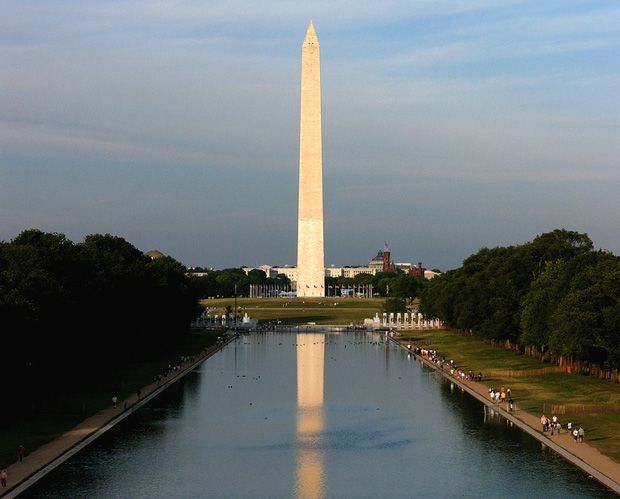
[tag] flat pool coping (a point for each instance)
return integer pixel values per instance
(609, 482)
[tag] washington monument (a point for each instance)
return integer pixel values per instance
(310, 259)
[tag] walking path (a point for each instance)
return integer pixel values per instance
(41, 461)
(586, 457)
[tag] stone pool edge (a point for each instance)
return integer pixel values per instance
(607, 481)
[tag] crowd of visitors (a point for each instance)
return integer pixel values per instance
(445, 364)
(553, 426)
(503, 395)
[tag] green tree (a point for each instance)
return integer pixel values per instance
(395, 305)
(70, 314)
(362, 279)
(257, 276)
(541, 302)
(486, 294)
(405, 286)
(585, 323)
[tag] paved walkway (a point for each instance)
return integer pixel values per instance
(42, 460)
(586, 457)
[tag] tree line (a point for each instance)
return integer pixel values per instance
(222, 283)
(384, 284)
(72, 313)
(555, 294)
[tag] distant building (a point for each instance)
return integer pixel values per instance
(429, 274)
(403, 266)
(291, 272)
(417, 270)
(350, 272)
(388, 266)
(377, 262)
(154, 254)
(382, 262)
(333, 271)
(288, 270)
(269, 271)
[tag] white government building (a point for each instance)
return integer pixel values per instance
(290, 271)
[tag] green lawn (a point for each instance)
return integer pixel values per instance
(533, 394)
(302, 310)
(72, 408)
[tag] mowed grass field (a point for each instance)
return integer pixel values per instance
(533, 394)
(301, 310)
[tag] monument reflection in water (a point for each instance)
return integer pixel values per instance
(310, 417)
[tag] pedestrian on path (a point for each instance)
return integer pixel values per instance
(3, 477)
(114, 401)
(20, 453)
(581, 434)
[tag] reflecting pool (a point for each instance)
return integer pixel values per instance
(313, 415)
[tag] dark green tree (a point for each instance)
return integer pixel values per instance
(395, 305)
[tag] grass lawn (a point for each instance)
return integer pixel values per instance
(534, 394)
(72, 408)
(302, 310)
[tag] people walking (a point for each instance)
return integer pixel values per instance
(20, 453)
(544, 421)
(3, 477)
(581, 433)
(114, 401)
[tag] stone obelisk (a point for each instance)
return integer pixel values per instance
(310, 258)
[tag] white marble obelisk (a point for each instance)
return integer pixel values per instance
(310, 258)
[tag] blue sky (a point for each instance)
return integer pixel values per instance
(448, 126)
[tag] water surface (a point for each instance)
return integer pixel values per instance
(314, 415)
